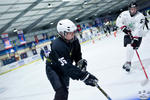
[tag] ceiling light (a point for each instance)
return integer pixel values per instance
(85, 3)
(14, 30)
(49, 5)
(76, 18)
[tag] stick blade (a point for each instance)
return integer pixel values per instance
(145, 82)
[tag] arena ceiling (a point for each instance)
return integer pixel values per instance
(28, 15)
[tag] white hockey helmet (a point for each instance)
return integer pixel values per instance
(65, 25)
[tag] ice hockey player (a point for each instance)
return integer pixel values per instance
(131, 22)
(44, 52)
(59, 66)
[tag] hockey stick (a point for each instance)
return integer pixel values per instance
(140, 60)
(142, 65)
(147, 80)
(106, 95)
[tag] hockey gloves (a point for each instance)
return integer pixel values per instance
(126, 30)
(82, 64)
(90, 79)
(134, 42)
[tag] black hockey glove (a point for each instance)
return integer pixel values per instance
(90, 79)
(134, 43)
(82, 64)
(126, 30)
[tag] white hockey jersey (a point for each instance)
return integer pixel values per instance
(135, 23)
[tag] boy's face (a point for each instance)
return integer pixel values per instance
(69, 36)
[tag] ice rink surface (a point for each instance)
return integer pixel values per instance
(105, 59)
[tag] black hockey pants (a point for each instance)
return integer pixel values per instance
(59, 83)
(128, 40)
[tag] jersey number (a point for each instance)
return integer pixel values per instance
(142, 20)
(62, 61)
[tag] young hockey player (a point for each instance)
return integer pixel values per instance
(59, 66)
(131, 22)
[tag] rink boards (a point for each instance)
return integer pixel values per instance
(18, 64)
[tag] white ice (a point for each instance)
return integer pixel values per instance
(105, 59)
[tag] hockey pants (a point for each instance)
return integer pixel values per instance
(61, 91)
(130, 50)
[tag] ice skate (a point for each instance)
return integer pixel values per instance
(127, 66)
